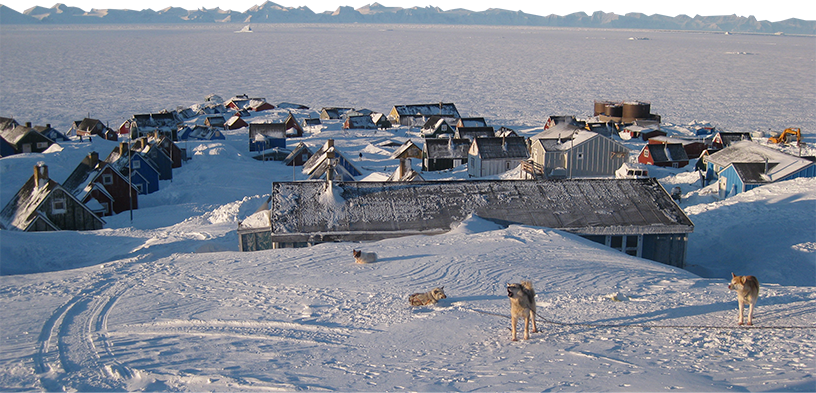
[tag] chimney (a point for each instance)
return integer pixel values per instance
(122, 148)
(40, 175)
(93, 159)
(329, 143)
(48, 125)
(28, 124)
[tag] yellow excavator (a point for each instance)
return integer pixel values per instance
(783, 137)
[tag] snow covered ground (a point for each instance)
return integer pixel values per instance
(165, 302)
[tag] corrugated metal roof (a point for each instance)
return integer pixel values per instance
(584, 206)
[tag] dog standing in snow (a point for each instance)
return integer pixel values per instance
(747, 288)
(431, 297)
(522, 304)
(364, 257)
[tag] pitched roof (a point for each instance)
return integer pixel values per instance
(667, 152)
(495, 148)
(441, 108)
(754, 172)
(748, 151)
(387, 209)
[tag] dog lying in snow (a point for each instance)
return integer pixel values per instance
(747, 288)
(430, 297)
(522, 304)
(364, 257)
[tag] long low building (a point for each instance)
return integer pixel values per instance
(636, 216)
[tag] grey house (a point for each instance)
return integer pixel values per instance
(572, 152)
(635, 216)
(491, 156)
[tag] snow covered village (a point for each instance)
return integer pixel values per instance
(205, 244)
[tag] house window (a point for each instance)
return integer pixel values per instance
(58, 205)
(107, 179)
(139, 188)
(444, 127)
(580, 155)
(646, 152)
(629, 244)
(42, 145)
(135, 164)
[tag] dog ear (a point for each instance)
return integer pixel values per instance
(733, 275)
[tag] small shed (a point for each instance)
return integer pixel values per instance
(439, 154)
(408, 150)
(492, 156)
(299, 155)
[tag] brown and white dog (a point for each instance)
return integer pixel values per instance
(364, 257)
(426, 298)
(747, 288)
(522, 304)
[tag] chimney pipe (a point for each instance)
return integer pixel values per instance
(28, 124)
(40, 175)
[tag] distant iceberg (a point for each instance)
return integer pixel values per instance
(246, 29)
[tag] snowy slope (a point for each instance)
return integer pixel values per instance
(166, 302)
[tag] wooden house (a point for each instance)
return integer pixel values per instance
(492, 156)
(635, 216)
(94, 179)
(8, 123)
(310, 122)
(215, 121)
(575, 152)
(235, 122)
(693, 147)
(327, 159)
(51, 133)
(293, 127)
(89, 128)
(438, 127)
(170, 148)
(670, 155)
(333, 113)
(157, 157)
(24, 139)
(470, 122)
(418, 114)
(42, 204)
(265, 136)
(359, 122)
(439, 154)
(299, 155)
(381, 120)
(6, 148)
(745, 165)
(200, 133)
(141, 172)
(722, 140)
(244, 102)
(165, 123)
(408, 149)
(474, 132)
(562, 121)
(505, 132)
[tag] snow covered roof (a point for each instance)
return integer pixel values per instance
(750, 152)
(495, 148)
(408, 145)
(563, 131)
(667, 152)
(440, 109)
(446, 148)
(564, 139)
(301, 211)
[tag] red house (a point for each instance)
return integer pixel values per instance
(664, 154)
(101, 187)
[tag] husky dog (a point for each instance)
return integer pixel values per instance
(522, 304)
(747, 288)
(364, 257)
(430, 297)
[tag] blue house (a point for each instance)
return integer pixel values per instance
(143, 174)
(745, 165)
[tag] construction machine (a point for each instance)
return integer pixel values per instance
(783, 137)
